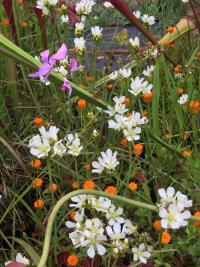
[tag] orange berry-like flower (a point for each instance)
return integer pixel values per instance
(157, 225)
(127, 101)
(197, 214)
(170, 29)
(6, 22)
(147, 98)
(87, 166)
(75, 185)
(72, 214)
(111, 190)
(39, 203)
(109, 86)
(165, 42)
(53, 187)
(36, 163)
(144, 113)
(138, 149)
(38, 122)
(165, 238)
(132, 186)
(194, 106)
(72, 260)
(172, 44)
(24, 24)
(89, 184)
(124, 142)
(89, 78)
(81, 104)
(180, 90)
(187, 153)
(37, 182)
(198, 54)
(177, 69)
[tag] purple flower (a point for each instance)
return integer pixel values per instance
(67, 86)
(73, 65)
(49, 62)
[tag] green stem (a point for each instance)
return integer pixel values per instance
(67, 197)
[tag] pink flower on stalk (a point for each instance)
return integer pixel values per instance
(67, 86)
(49, 62)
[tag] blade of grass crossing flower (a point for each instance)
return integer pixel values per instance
(17, 53)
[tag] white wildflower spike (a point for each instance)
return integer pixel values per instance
(135, 43)
(96, 33)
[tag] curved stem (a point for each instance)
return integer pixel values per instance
(67, 197)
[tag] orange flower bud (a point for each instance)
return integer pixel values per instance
(138, 149)
(147, 98)
(6, 22)
(75, 185)
(89, 184)
(194, 106)
(132, 186)
(157, 225)
(72, 214)
(38, 122)
(180, 90)
(170, 29)
(166, 238)
(36, 163)
(177, 69)
(72, 260)
(39, 203)
(111, 190)
(81, 104)
(37, 182)
(124, 142)
(24, 24)
(127, 101)
(197, 214)
(53, 187)
(87, 166)
(187, 154)
(109, 86)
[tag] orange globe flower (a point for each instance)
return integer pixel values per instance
(165, 238)
(187, 153)
(133, 186)
(75, 185)
(6, 22)
(38, 121)
(194, 106)
(172, 44)
(89, 78)
(157, 225)
(198, 54)
(138, 149)
(39, 203)
(127, 101)
(72, 260)
(197, 214)
(170, 29)
(81, 104)
(124, 142)
(89, 184)
(24, 24)
(111, 190)
(147, 98)
(180, 90)
(72, 214)
(37, 183)
(53, 187)
(87, 166)
(36, 163)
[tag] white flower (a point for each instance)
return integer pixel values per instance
(182, 201)
(62, 70)
(80, 201)
(146, 87)
(96, 33)
(139, 253)
(50, 134)
(173, 218)
(183, 99)
(118, 123)
(113, 215)
(116, 232)
(129, 228)
(150, 20)
(39, 147)
(167, 196)
(84, 7)
(79, 43)
(134, 42)
(119, 107)
(95, 133)
(125, 73)
(76, 238)
(185, 1)
(114, 75)
(45, 4)
(94, 235)
(59, 149)
(137, 14)
(136, 86)
(132, 133)
(64, 19)
(79, 27)
(73, 144)
(149, 70)
(98, 166)
(108, 4)
(101, 204)
(20, 259)
(78, 218)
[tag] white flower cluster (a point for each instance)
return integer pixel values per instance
(80, 46)
(45, 5)
(108, 160)
(149, 20)
(123, 73)
(139, 85)
(84, 7)
(135, 43)
(93, 234)
(131, 125)
(183, 99)
(96, 33)
(47, 144)
(172, 208)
